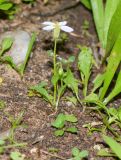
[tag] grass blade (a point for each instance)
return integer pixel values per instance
(98, 14)
(116, 147)
(112, 66)
(111, 6)
(86, 3)
(116, 90)
(114, 29)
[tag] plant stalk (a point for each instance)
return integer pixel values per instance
(54, 63)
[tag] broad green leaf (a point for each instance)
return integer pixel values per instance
(5, 6)
(72, 129)
(1, 1)
(110, 8)
(86, 3)
(70, 118)
(85, 61)
(116, 147)
(6, 44)
(98, 81)
(93, 98)
(83, 154)
(98, 14)
(115, 91)
(16, 156)
(42, 91)
(114, 29)
(9, 59)
(59, 133)
(71, 82)
(60, 121)
(75, 151)
(113, 63)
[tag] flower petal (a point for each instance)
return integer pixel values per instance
(48, 28)
(48, 23)
(66, 29)
(63, 23)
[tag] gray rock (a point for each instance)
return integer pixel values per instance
(20, 45)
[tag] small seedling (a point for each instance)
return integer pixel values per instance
(15, 123)
(85, 61)
(60, 124)
(16, 156)
(78, 155)
(4, 146)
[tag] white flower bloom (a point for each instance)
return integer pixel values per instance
(48, 26)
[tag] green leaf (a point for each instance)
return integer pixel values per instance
(104, 153)
(113, 63)
(114, 29)
(75, 151)
(86, 3)
(16, 156)
(83, 154)
(72, 99)
(1, 150)
(71, 82)
(42, 91)
(98, 14)
(2, 142)
(111, 6)
(85, 61)
(91, 97)
(5, 6)
(72, 130)
(6, 44)
(119, 114)
(60, 121)
(70, 118)
(59, 133)
(98, 81)
(116, 147)
(116, 90)
(21, 68)
(9, 59)
(55, 78)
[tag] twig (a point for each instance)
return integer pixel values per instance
(52, 155)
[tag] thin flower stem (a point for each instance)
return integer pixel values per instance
(54, 63)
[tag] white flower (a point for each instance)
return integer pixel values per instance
(48, 26)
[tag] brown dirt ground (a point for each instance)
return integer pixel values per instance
(38, 114)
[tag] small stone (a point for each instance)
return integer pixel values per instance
(20, 45)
